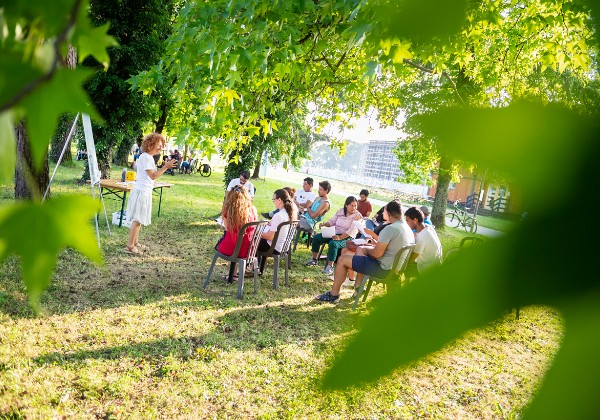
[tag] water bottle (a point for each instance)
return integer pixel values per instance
(123, 174)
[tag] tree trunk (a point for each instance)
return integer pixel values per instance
(440, 202)
(162, 118)
(39, 177)
(257, 167)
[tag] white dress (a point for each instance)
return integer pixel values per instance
(139, 207)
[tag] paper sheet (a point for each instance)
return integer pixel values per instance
(327, 231)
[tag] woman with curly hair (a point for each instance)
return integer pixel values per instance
(139, 207)
(237, 211)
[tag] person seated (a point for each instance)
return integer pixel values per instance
(376, 220)
(375, 261)
(351, 247)
(287, 211)
(186, 166)
(364, 205)
(428, 249)
(242, 181)
(301, 197)
(291, 191)
(426, 213)
(314, 210)
(344, 230)
(236, 212)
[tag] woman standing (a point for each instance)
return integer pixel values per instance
(139, 207)
(287, 211)
(344, 230)
(237, 211)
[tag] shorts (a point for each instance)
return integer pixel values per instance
(370, 266)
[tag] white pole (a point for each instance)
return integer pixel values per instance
(67, 142)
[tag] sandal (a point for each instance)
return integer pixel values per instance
(226, 278)
(133, 250)
(139, 245)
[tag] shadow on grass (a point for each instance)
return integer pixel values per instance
(243, 329)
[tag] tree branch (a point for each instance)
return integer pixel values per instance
(430, 71)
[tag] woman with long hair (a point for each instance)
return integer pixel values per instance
(287, 211)
(139, 207)
(236, 212)
(344, 230)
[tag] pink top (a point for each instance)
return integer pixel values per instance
(227, 245)
(343, 224)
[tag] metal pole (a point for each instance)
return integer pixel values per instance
(64, 149)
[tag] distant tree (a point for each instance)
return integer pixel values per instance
(141, 29)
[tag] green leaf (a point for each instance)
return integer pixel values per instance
(7, 148)
(37, 232)
(63, 93)
(94, 42)
(14, 75)
(468, 292)
(417, 19)
(527, 142)
(571, 385)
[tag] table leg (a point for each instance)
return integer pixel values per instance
(122, 208)
(159, 200)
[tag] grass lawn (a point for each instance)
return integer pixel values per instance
(138, 337)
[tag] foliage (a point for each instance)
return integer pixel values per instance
(252, 68)
(34, 36)
(446, 303)
(141, 32)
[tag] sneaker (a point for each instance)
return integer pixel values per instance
(328, 270)
(328, 297)
(312, 263)
(266, 215)
(348, 282)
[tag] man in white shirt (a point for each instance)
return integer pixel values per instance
(428, 249)
(243, 180)
(301, 197)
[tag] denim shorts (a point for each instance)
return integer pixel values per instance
(370, 266)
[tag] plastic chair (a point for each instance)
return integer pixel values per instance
(299, 232)
(400, 262)
(285, 254)
(259, 227)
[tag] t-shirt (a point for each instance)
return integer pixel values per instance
(343, 223)
(279, 218)
(236, 181)
(395, 235)
(302, 196)
(364, 207)
(227, 245)
(143, 182)
(429, 248)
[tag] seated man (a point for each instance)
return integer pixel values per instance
(377, 261)
(364, 205)
(428, 249)
(242, 181)
(301, 197)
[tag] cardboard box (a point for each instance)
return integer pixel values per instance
(115, 219)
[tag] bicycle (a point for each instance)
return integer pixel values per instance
(205, 169)
(459, 217)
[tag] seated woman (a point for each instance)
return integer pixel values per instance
(237, 211)
(317, 208)
(344, 230)
(287, 211)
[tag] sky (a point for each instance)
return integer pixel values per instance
(366, 129)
